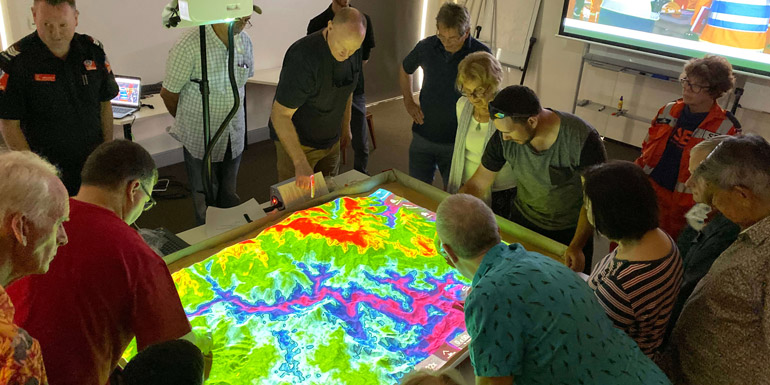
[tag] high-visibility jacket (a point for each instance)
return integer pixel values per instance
(717, 122)
(736, 23)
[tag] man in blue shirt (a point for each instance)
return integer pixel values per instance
(435, 120)
(531, 319)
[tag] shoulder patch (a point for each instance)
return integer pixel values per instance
(10, 53)
(3, 80)
(93, 41)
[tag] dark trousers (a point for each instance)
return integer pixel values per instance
(224, 176)
(502, 202)
(425, 156)
(359, 128)
(562, 236)
(70, 176)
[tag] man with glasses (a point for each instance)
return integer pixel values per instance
(678, 127)
(105, 286)
(721, 336)
(435, 120)
(547, 150)
(182, 97)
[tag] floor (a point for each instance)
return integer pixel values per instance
(393, 135)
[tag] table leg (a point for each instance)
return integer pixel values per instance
(127, 132)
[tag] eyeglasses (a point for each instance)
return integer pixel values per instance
(440, 247)
(693, 87)
(151, 203)
(450, 40)
(478, 93)
(244, 20)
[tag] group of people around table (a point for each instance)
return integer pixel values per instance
(680, 299)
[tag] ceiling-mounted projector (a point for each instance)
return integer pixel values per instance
(191, 13)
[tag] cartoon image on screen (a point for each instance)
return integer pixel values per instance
(128, 91)
(351, 291)
(737, 29)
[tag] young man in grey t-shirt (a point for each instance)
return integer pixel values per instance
(547, 150)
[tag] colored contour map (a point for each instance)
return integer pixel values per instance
(348, 292)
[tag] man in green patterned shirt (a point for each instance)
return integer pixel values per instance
(531, 319)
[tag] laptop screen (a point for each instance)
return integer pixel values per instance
(130, 91)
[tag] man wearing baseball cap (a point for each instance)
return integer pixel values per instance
(547, 150)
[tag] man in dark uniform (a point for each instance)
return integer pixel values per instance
(358, 126)
(55, 91)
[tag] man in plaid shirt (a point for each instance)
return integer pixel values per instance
(182, 97)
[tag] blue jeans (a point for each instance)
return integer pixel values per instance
(224, 176)
(359, 128)
(425, 156)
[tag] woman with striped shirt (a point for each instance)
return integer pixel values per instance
(638, 282)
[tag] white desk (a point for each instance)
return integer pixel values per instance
(268, 77)
(152, 135)
(145, 112)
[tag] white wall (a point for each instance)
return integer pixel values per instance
(396, 26)
(137, 44)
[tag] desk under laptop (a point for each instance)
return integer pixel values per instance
(266, 77)
(158, 108)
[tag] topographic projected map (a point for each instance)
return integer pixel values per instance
(349, 292)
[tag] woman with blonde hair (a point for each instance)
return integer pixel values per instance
(479, 76)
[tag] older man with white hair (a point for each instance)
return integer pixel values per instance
(33, 208)
(530, 318)
(707, 235)
(723, 333)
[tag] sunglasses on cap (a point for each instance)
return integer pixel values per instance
(496, 113)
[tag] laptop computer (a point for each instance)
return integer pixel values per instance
(128, 99)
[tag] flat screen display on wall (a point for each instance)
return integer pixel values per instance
(735, 29)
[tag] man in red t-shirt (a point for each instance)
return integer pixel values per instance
(106, 285)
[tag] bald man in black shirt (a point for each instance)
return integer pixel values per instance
(310, 119)
(358, 124)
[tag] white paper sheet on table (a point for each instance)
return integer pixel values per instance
(220, 220)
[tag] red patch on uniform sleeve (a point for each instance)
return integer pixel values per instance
(45, 77)
(3, 81)
(107, 65)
